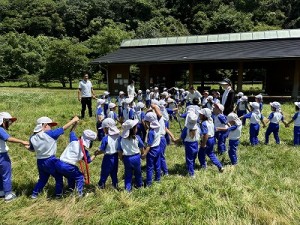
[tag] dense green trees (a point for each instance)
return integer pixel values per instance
(55, 39)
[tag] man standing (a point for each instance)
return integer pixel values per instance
(85, 95)
(227, 97)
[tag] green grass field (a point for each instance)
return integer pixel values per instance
(263, 188)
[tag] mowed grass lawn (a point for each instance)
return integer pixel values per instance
(263, 188)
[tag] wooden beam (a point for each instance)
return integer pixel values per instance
(295, 91)
(240, 77)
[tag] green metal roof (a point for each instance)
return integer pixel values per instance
(201, 39)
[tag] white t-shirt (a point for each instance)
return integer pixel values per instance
(130, 91)
(85, 88)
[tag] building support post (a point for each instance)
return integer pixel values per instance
(191, 74)
(240, 77)
(296, 80)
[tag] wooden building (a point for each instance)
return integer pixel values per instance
(165, 59)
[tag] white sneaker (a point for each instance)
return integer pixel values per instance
(2, 194)
(11, 196)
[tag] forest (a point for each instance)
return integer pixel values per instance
(43, 40)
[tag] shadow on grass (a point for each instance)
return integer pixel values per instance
(178, 169)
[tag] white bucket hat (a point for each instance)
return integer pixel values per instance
(234, 117)
(297, 104)
(45, 119)
(100, 101)
(128, 100)
(6, 115)
(206, 112)
(121, 93)
(152, 119)
(219, 106)
(147, 90)
(240, 94)
(254, 105)
(210, 98)
(140, 105)
(111, 125)
(87, 137)
(127, 125)
(276, 105)
(191, 121)
(105, 93)
(111, 105)
(244, 98)
(259, 96)
(170, 100)
(140, 91)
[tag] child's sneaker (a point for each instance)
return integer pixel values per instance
(221, 169)
(34, 196)
(2, 194)
(10, 197)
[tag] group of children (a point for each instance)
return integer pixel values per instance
(144, 135)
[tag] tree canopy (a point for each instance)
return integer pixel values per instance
(33, 32)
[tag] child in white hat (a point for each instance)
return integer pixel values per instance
(44, 143)
(208, 140)
(130, 148)
(106, 97)
(209, 102)
(76, 151)
(120, 100)
(140, 115)
(112, 111)
(99, 118)
(190, 137)
(5, 164)
(156, 93)
(220, 120)
(242, 107)
(274, 118)
(234, 135)
(140, 96)
(259, 100)
(108, 147)
(152, 152)
(296, 120)
(255, 117)
(148, 98)
(128, 111)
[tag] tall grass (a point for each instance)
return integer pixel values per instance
(263, 188)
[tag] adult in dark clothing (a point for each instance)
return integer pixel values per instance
(227, 97)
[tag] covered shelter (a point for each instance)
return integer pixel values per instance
(277, 52)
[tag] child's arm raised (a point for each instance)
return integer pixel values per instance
(71, 122)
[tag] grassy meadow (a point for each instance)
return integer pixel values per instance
(263, 188)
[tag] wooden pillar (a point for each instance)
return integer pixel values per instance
(240, 77)
(191, 74)
(296, 80)
(145, 77)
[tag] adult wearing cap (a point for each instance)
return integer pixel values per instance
(85, 95)
(72, 154)
(227, 97)
(108, 147)
(130, 148)
(131, 89)
(44, 143)
(193, 94)
(5, 164)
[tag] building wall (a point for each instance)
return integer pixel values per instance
(118, 78)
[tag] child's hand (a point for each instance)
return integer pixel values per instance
(144, 156)
(287, 125)
(75, 119)
(97, 152)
